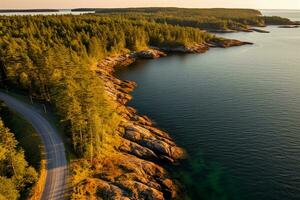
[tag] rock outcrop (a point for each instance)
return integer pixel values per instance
(140, 137)
(149, 54)
(228, 43)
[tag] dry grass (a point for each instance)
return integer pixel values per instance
(37, 190)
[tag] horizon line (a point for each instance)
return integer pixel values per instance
(148, 7)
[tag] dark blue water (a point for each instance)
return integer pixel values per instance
(237, 108)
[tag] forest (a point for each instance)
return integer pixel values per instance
(16, 176)
(213, 12)
(207, 19)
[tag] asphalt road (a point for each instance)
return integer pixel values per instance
(55, 186)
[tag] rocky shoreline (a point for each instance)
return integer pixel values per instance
(136, 170)
(289, 26)
(249, 30)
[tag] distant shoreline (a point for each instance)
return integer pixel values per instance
(94, 9)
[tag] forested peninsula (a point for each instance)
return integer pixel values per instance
(68, 62)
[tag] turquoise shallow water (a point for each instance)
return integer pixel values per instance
(238, 109)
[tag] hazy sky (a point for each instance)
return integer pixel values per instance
(278, 4)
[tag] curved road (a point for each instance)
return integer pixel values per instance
(55, 186)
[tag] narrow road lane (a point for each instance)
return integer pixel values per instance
(55, 151)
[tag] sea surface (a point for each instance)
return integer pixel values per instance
(236, 111)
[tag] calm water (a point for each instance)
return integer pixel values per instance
(237, 108)
(61, 12)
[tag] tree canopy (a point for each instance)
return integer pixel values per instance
(16, 176)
